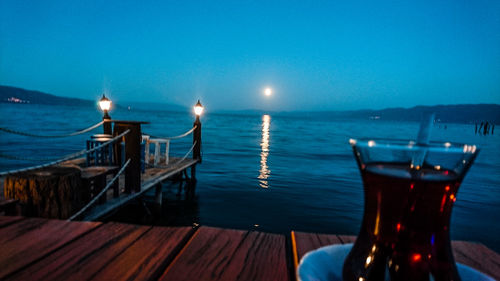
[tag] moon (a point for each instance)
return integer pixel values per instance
(268, 92)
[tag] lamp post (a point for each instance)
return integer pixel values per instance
(105, 105)
(198, 110)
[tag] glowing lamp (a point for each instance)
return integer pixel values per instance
(104, 103)
(198, 109)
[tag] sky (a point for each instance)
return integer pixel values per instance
(314, 55)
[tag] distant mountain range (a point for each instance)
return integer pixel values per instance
(456, 113)
(17, 95)
(21, 96)
(461, 113)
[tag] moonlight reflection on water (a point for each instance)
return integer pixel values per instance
(264, 144)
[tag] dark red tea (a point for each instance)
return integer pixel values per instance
(405, 228)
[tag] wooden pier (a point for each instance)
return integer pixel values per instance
(42, 249)
(118, 168)
(152, 178)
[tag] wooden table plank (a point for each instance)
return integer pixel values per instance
(477, 256)
(148, 257)
(11, 232)
(84, 257)
(305, 242)
(347, 238)
(8, 220)
(30, 239)
(221, 254)
(474, 255)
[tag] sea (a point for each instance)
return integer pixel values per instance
(268, 172)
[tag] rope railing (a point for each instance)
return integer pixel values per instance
(158, 141)
(68, 157)
(52, 136)
(175, 137)
(182, 159)
(190, 150)
(100, 193)
(12, 157)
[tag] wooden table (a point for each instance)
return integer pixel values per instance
(475, 255)
(95, 178)
(40, 249)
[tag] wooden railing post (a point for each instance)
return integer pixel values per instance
(107, 125)
(132, 152)
(197, 147)
(197, 140)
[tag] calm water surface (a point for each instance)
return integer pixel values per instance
(267, 172)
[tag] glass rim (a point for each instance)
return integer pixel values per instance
(409, 144)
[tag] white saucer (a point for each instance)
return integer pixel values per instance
(325, 264)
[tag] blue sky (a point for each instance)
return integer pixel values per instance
(315, 55)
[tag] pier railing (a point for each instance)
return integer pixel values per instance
(7, 130)
(58, 160)
(149, 140)
(158, 142)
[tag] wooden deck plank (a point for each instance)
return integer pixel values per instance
(84, 257)
(221, 254)
(154, 176)
(474, 255)
(175, 166)
(8, 220)
(31, 239)
(148, 257)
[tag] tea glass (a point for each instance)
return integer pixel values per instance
(409, 193)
